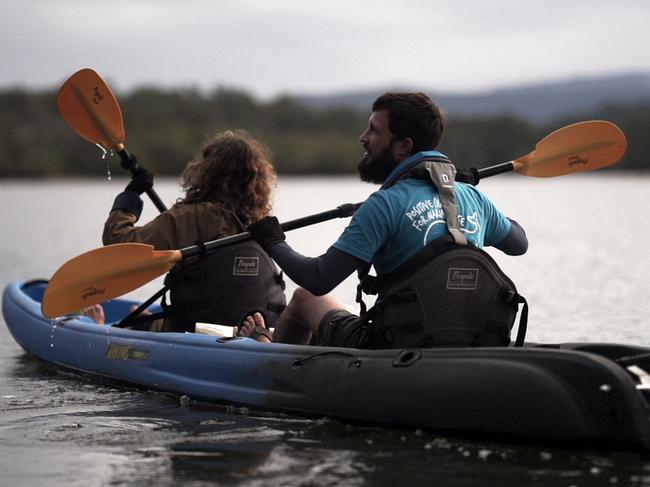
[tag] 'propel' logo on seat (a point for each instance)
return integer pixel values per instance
(462, 279)
(246, 266)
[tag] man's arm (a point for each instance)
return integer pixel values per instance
(515, 242)
(318, 275)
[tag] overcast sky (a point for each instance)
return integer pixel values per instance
(300, 46)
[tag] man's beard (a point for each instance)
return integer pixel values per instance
(376, 169)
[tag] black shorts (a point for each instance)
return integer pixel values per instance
(340, 328)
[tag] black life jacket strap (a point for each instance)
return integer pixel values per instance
(279, 278)
(363, 275)
(134, 318)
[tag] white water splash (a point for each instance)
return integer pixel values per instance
(108, 164)
(104, 151)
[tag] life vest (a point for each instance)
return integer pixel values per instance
(221, 286)
(450, 293)
(225, 285)
(445, 295)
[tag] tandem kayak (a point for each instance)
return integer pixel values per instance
(589, 394)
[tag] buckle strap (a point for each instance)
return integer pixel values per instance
(523, 321)
(131, 317)
(363, 276)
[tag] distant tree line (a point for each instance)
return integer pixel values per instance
(166, 128)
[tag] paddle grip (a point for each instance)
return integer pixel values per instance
(131, 164)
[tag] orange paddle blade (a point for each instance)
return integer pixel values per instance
(102, 274)
(88, 105)
(582, 146)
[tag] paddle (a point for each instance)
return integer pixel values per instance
(582, 146)
(111, 271)
(117, 269)
(88, 105)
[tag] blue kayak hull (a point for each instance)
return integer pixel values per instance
(574, 393)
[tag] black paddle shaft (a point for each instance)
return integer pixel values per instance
(130, 164)
(486, 172)
(341, 211)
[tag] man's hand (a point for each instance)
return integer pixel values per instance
(267, 232)
(469, 176)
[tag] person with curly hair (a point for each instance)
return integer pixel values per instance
(228, 186)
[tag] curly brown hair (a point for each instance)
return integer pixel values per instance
(235, 170)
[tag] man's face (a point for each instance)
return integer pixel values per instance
(379, 158)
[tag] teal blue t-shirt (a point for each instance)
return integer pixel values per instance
(394, 223)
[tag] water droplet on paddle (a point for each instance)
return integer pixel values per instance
(104, 151)
(108, 164)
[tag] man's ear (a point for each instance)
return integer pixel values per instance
(403, 148)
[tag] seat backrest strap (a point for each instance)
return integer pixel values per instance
(443, 176)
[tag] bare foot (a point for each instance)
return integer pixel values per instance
(95, 313)
(254, 327)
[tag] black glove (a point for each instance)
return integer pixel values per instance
(267, 232)
(469, 176)
(140, 182)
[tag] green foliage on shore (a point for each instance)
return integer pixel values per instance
(166, 128)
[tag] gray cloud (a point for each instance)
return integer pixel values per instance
(275, 46)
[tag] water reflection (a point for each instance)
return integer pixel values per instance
(136, 437)
(330, 453)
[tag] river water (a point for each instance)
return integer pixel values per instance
(585, 277)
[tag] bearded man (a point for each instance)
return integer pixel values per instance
(406, 214)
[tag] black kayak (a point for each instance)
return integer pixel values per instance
(578, 394)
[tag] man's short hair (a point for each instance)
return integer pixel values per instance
(414, 116)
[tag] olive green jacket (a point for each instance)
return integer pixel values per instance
(180, 226)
